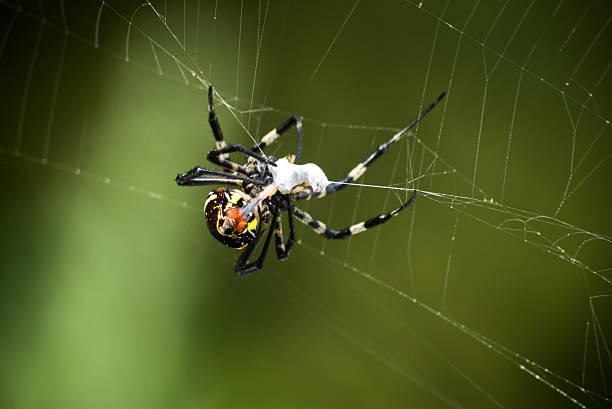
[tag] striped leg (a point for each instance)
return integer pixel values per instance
(307, 193)
(243, 267)
(219, 157)
(283, 249)
(274, 134)
(213, 121)
(330, 233)
(194, 177)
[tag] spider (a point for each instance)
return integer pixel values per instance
(238, 217)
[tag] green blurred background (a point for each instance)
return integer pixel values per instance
(113, 294)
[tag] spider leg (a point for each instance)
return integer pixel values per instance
(194, 177)
(213, 121)
(218, 157)
(274, 134)
(243, 267)
(283, 249)
(322, 229)
(360, 169)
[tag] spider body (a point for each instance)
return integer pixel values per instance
(240, 216)
(225, 221)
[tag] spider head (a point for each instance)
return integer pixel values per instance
(225, 219)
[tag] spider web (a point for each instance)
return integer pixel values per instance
(492, 290)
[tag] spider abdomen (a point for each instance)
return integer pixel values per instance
(221, 204)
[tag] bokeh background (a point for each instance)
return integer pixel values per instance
(491, 290)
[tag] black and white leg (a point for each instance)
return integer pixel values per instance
(213, 121)
(243, 267)
(199, 176)
(274, 134)
(283, 249)
(361, 168)
(219, 157)
(322, 229)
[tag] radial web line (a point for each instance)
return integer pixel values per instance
(410, 174)
(56, 86)
(156, 58)
(450, 80)
(604, 342)
(588, 175)
(385, 203)
(427, 72)
(84, 129)
(449, 261)
(497, 17)
(212, 43)
(514, 110)
(239, 43)
(163, 20)
(96, 42)
(572, 150)
(129, 30)
(331, 45)
(260, 33)
(331, 206)
(488, 76)
(482, 112)
(590, 47)
(197, 30)
(603, 75)
(417, 182)
(275, 64)
(357, 199)
(598, 348)
(77, 170)
(26, 91)
(7, 32)
(554, 13)
(509, 42)
(97, 178)
(591, 145)
(575, 27)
